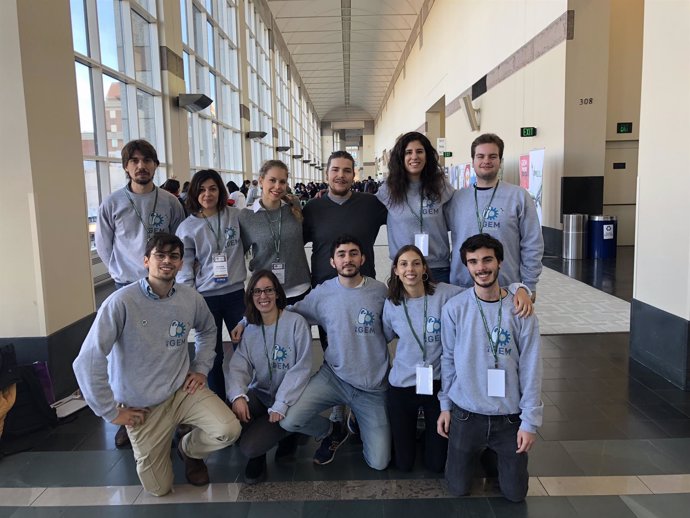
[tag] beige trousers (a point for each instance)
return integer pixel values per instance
(215, 428)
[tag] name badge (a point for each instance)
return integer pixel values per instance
(421, 241)
(278, 270)
(496, 382)
(425, 380)
(220, 268)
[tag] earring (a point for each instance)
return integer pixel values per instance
(425, 277)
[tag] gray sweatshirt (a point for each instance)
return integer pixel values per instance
(511, 218)
(258, 234)
(403, 223)
(357, 351)
(408, 354)
(467, 357)
(146, 338)
(120, 235)
(200, 244)
(290, 363)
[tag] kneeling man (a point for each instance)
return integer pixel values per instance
(491, 376)
(139, 337)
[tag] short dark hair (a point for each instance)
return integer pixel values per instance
(251, 312)
(474, 243)
(161, 240)
(344, 239)
(143, 146)
(192, 202)
(488, 138)
(340, 154)
(171, 185)
(396, 290)
(232, 187)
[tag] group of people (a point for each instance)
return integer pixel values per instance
(468, 357)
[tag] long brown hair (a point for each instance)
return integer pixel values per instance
(251, 312)
(396, 290)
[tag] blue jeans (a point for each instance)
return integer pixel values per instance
(228, 308)
(325, 390)
(470, 434)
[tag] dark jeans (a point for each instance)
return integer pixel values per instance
(228, 308)
(403, 405)
(259, 435)
(294, 300)
(469, 435)
(440, 274)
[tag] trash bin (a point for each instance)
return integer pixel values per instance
(602, 236)
(574, 236)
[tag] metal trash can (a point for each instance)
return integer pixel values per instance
(574, 236)
(603, 232)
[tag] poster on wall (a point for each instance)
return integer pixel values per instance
(462, 176)
(524, 171)
(535, 166)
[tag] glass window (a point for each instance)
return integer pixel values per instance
(117, 176)
(147, 116)
(85, 100)
(211, 49)
(198, 32)
(79, 33)
(187, 73)
(110, 34)
(116, 120)
(183, 16)
(141, 40)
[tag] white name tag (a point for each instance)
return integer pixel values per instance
(496, 382)
(425, 380)
(278, 270)
(421, 241)
(220, 268)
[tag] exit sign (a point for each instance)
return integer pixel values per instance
(447, 154)
(624, 127)
(529, 131)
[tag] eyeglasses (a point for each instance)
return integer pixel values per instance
(160, 256)
(256, 292)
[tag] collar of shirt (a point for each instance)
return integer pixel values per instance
(148, 290)
(256, 206)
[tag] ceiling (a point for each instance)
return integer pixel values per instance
(346, 51)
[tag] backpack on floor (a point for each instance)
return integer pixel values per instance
(31, 411)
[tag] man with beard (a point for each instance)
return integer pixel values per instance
(503, 210)
(134, 369)
(490, 376)
(129, 217)
(349, 307)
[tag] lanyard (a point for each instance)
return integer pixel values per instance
(492, 343)
(414, 333)
(149, 229)
(219, 249)
(421, 205)
(482, 218)
(276, 238)
(268, 358)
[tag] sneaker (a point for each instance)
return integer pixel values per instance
(286, 448)
(122, 439)
(255, 471)
(352, 425)
(194, 469)
(326, 452)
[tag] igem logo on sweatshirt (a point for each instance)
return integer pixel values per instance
(280, 357)
(429, 207)
(177, 332)
(433, 329)
(365, 321)
(231, 237)
(491, 215)
(157, 221)
(502, 338)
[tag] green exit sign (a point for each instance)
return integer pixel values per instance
(529, 131)
(624, 127)
(447, 154)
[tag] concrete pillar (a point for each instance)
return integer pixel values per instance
(46, 293)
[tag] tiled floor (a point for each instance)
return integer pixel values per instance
(615, 442)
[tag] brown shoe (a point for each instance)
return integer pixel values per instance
(194, 469)
(122, 439)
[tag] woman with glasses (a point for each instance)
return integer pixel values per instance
(414, 193)
(267, 372)
(272, 229)
(214, 259)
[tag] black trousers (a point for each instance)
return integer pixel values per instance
(403, 406)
